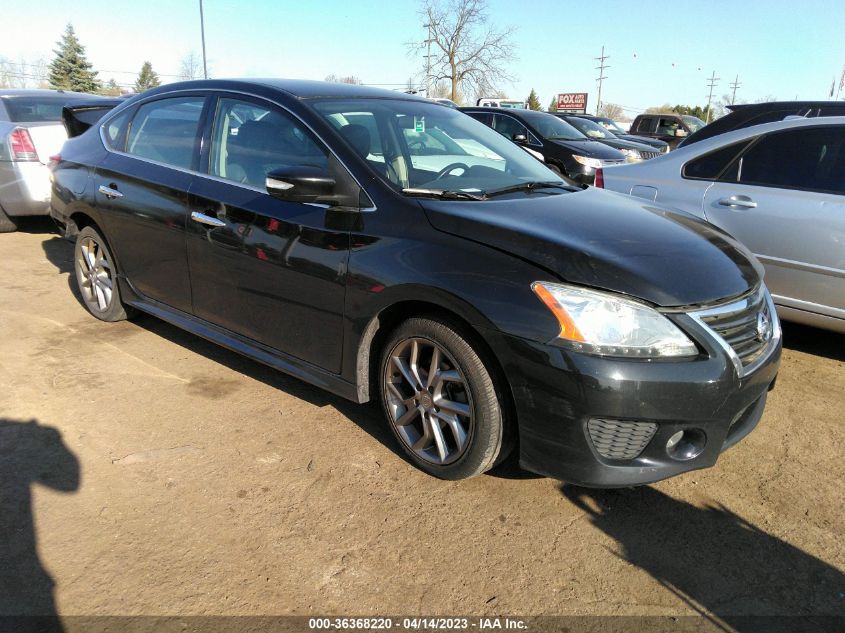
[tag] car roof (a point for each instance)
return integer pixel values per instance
(783, 105)
(720, 140)
(35, 92)
(297, 88)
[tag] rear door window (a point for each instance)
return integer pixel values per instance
(812, 159)
(166, 131)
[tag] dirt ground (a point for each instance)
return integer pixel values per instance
(146, 471)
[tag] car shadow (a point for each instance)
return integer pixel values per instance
(36, 224)
(30, 453)
(812, 340)
(716, 562)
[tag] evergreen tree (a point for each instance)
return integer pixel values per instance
(110, 88)
(70, 70)
(552, 105)
(534, 101)
(147, 78)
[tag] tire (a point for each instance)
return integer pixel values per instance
(451, 426)
(96, 278)
(7, 224)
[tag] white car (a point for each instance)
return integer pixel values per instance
(780, 189)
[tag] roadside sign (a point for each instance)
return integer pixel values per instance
(572, 102)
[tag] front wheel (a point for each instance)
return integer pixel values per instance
(96, 276)
(7, 224)
(440, 399)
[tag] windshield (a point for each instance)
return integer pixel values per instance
(552, 128)
(693, 122)
(419, 145)
(589, 128)
(609, 124)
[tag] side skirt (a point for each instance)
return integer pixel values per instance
(240, 344)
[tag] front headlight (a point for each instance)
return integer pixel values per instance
(633, 154)
(610, 325)
(595, 163)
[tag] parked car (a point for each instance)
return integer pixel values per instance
(671, 128)
(613, 126)
(564, 148)
(479, 304)
(445, 101)
(30, 132)
(777, 187)
(633, 152)
(748, 114)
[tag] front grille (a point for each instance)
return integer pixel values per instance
(647, 155)
(749, 326)
(615, 439)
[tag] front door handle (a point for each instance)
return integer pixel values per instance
(109, 192)
(744, 202)
(202, 218)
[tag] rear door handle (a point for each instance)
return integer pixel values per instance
(109, 192)
(202, 218)
(743, 202)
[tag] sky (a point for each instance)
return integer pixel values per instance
(659, 52)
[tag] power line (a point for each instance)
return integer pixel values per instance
(601, 67)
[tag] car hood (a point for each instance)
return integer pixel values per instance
(606, 240)
(591, 149)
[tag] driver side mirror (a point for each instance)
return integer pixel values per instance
(519, 139)
(300, 183)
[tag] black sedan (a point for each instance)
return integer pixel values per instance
(563, 148)
(634, 152)
(387, 248)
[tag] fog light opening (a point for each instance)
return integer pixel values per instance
(687, 444)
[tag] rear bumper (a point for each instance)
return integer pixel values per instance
(557, 393)
(24, 188)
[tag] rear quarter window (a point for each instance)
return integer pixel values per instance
(713, 165)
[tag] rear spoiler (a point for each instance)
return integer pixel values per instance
(78, 116)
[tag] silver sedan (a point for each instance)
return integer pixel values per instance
(780, 189)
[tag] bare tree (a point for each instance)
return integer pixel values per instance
(349, 79)
(466, 50)
(612, 111)
(190, 67)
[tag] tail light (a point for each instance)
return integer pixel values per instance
(21, 144)
(599, 181)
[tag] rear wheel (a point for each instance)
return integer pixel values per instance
(440, 399)
(7, 224)
(96, 276)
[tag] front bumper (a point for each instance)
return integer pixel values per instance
(558, 392)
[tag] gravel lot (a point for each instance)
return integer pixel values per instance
(146, 471)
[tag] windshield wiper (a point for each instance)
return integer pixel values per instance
(530, 186)
(445, 194)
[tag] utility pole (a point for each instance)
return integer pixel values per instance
(601, 67)
(734, 85)
(713, 79)
(202, 33)
(428, 61)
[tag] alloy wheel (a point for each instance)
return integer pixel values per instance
(95, 274)
(428, 400)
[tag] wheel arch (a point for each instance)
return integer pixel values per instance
(388, 318)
